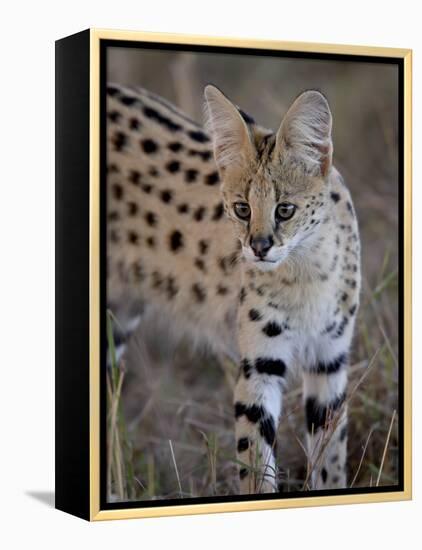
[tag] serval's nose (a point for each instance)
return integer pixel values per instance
(261, 245)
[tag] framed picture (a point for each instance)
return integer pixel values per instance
(233, 274)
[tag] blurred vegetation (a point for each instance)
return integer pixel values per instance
(175, 411)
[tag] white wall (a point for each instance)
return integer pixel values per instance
(27, 269)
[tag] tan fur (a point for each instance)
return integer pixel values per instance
(313, 281)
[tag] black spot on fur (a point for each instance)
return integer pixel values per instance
(127, 100)
(133, 237)
(113, 169)
(199, 213)
(212, 179)
(151, 219)
(253, 413)
(227, 263)
(218, 212)
(243, 472)
(324, 474)
(246, 368)
(173, 166)
(151, 242)
(352, 267)
(222, 290)
(171, 287)
(134, 124)
(331, 367)
(275, 367)
(335, 479)
(317, 415)
(199, 292)
(152, 171)
(204, 155)
(191, 175)
(113, 216)
(157, 279)
(343, 433)
(267, 430)
(242, 294)
(340, 329)
(260, 290)
(134, 177)
(272, 329)
(166, 196)
(335, 196)
(112, 91)
(176, 241)
(254, 315)
(200, 264)
(146, 188)
(203, 246)
(199, 136)
(183, 208)
(114, 116)
(353, 309)
(175, 146)
(242, 444)
(149, 146)
(117, 191)
(119, 141)
(151, 113)
(350, 208)
(132, 208)
(350, 282)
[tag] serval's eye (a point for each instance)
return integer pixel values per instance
(242, 210)
(285, 211)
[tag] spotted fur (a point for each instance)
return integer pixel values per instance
(277, 295)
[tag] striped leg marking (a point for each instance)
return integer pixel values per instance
(326, 419)
(258, 397)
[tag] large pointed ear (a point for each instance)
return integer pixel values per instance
(230, 133)
(306, 132)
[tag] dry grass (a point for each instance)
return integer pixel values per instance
(174, 437)
(171, 429)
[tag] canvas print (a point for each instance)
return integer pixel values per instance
(252, 299)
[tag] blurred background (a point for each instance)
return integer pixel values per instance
(175, 420)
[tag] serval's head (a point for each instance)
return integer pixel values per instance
(275, 185)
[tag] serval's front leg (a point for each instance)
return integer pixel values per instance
(258, 399)
(326, 418)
